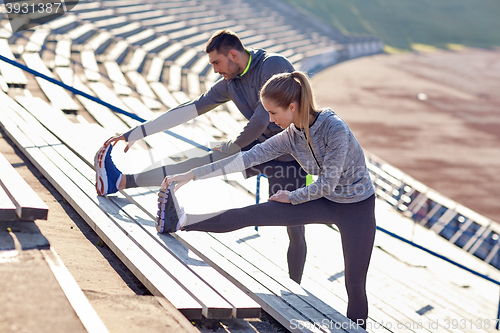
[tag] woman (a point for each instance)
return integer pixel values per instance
(323, 145)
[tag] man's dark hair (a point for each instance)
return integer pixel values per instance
(224, 41)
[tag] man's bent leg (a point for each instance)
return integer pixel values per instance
(297, 251)
(290, 176)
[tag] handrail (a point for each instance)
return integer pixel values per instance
(257, 192)
(440, 256)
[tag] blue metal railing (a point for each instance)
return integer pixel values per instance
(257, 192)
(440, 256)
(134, 116)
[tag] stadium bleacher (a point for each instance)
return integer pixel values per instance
(12, 76)
(145, 57)
(18, 201)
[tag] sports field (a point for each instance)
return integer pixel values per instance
(407, 24)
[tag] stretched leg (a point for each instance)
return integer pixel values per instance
(271, 213)
(155, 176)
(356, 223)
(357, 227)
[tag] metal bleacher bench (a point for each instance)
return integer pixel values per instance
(186, 283)
(18, 201)
(13, 76)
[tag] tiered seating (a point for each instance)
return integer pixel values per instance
(117, 52)
(63, 24)
(239, 306)
(142, 37)
(136, 61)
(100, 42)
(474, 233)
(84, 7)
(37, 40)
(200, 298)
(89, 63)
(13, 76)
(105, 117)
(157, 46)
(120, 83)
(80, 34)
(150, 14)
(56, 95)
(34, 264)
(193, 77)
(18, 201)
(144, 90)
(95, 15)
(63, 52)
(178, 29)
(126, 30)
(112, 23)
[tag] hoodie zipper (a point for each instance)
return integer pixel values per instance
(311, 150)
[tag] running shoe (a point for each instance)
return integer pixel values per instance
(169, 211)
(107, 174)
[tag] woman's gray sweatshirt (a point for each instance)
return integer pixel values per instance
(335, 156)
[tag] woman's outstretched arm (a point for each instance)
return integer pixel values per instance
(268, 150)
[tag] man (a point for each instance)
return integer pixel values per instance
(243, 73)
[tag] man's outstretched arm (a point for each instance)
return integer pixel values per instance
(174, 117)
(216, 96)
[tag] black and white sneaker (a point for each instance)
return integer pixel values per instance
(170, 216)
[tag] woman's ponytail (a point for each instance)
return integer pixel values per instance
(307, 102)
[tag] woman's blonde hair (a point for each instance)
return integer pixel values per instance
(286, 88)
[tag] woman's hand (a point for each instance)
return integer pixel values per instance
(181, 179)
(280, 196)
(113, 140)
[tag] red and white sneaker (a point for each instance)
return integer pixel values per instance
(107, 174)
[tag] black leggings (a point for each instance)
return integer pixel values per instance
(356, 222)
(282, 176)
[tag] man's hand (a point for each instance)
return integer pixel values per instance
(113, 140)
(181, 180)
(280, 196)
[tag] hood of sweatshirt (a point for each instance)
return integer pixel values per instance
(256, 55)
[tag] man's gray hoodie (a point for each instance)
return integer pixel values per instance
(242, 90)
(335, 156)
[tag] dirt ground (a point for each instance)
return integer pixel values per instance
(449, 141)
